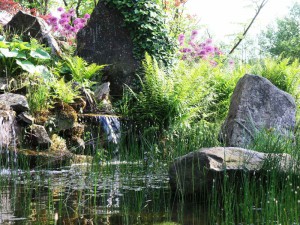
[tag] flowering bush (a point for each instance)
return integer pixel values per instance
(10, 6)
(195, 50)
(66, 24)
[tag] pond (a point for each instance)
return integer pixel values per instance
(109, 193)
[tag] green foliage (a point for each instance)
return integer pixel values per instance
(38, 93)
(283, 38)
(79, 69)
(64, 91)
(17, 56)
(146, 23)
(169, 100)
(282, 73)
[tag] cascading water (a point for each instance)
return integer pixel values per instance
(7, 135)
(111, 126)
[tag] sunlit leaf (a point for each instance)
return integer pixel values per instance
(26, 65)
(9, 54)
(40, 54)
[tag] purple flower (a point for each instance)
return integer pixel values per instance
(186, 50)
(67, 26)
(71, 12)
(231, 62)
(82, 20)
(53, 20)
(209, 49)
(63, 21)
(60, 9)
(72, 29)
(64, 15)
(77, 21)
(181, 37)
(208, 41)
(87, 16)
(55, 28)
(194, 33)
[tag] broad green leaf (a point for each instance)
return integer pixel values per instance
(3, 44)
(44, 72)
(9, 54)
(39, 54)
(21, 55)
(26, 65)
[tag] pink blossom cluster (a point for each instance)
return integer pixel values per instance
(195, 50)
(66, 24)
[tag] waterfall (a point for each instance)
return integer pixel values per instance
(7, 135)
(7, 131)
(111, 126)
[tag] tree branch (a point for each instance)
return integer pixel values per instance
(259, 8)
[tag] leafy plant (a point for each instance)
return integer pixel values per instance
(282, 39)
(168, 100)
(64, 91)
(145, 21)
(17, 56)
(281, 73)
(79, 69)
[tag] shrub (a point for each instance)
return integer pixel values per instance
(282, 73)
(169, 100)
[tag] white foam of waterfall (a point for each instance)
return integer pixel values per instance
(111, 126)
(7, 135)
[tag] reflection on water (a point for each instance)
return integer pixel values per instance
(116, 193)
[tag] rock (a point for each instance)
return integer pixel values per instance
(44, 159)
(38, 137)
(25, 118)
(64, 117)
(257, 105)
(197, 171)
(102, 91)
(105, 40)
(17, 102)
(3, 84)
(74, 137)
(30, 26)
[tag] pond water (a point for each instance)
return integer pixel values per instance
(112, 193)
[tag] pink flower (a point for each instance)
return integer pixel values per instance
(194, 33)
(64, 15)
(77, 21)
(208, 41)
(63, 21)
(87, 16)
(60, 9)
(72, 12)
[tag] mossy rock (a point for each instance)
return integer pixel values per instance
(63, 117)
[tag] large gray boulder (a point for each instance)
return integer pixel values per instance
(105, 40)
(197, 171)
(30, 26)
(17, 102)
(257, 105)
